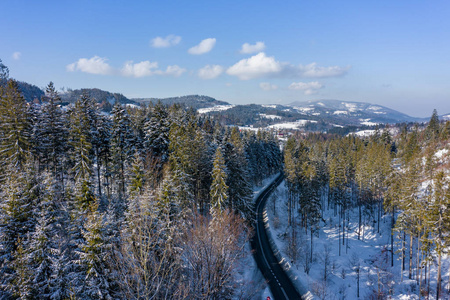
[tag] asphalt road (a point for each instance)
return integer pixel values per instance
(279, 282)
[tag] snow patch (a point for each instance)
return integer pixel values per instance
(340, 112)
(367, 123)
(273, 117)
(269, 106)
(214, 108)
(291, 125)
(304, 109)
(363, 133)
(374, 108)
(131, 105)
(351, 106)
(441, 153)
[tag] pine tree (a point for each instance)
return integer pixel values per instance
(219, 189)
(157, 138)
(439, 220)
(92, 258)
(14, 126)
(137, 175)
(121, 147)
(16, 222)
(432, 130)
(52, 132)
(238, 180)
(42, 246)
(4, 74)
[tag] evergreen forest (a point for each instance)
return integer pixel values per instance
(154, 202)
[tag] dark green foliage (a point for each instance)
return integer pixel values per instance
(219, 189)
(15, 126)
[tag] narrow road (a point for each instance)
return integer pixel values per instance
(279, 282)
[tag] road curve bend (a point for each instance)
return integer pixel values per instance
(279, 282)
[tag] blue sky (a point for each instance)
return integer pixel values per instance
(392, 53)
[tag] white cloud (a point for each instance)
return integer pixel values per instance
(261, 65)
(247, 48)
(210, 71)
(94, 65)
(204, 47)
(312, 70)
(147, 68)
(164, 42)
(98, 65)
(141, 69)
(267, 86)
(174, 71)
(308, 88)
(16, 55)
(256, 66)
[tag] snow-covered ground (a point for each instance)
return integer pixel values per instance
(340, 112)
(371, 252)
(273, 117)
(291, 125)
(363, 133)
(214, 108)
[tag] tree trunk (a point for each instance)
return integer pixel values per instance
(98, 173)
(439, 277)
(392, 236)
(359, 218)
(403, 256)
(410, 256)
(418, 258)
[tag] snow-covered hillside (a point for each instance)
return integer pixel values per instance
(371, 253)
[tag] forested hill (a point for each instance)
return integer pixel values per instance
(193, 101)
(30, 92)
(104, 98)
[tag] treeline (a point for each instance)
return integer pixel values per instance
(145, 203)
(381, 178)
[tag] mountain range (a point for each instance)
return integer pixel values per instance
(322, 115)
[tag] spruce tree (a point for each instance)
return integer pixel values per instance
(432, 130)
(15, 127)
(219, 189)
(121, 145)
(52, 132)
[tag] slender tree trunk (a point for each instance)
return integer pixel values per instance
(439, 276)
(343, 224)
(122, 170)
(429, 279)
(418, 258)
(357, 280)
(410, 256)
(359, 218)
(403, 255)
(339, 230)
(98, 173)
(311, 244)
(392, 236)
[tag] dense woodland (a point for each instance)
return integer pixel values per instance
(397, 178)
(145, 203)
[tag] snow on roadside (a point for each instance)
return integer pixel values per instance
(250, 280)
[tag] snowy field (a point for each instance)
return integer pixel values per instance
(371, 253)
(214, 108)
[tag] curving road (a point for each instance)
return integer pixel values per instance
(279, 282)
